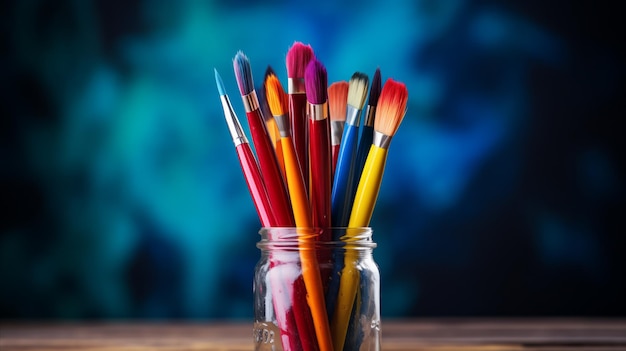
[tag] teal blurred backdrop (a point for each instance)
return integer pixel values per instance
(122, 195)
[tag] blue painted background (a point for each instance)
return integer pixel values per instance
(122, 195)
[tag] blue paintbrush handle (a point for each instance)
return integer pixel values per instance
(342, 193)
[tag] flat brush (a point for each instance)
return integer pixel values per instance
(302, 214)
(337, 100)
(278, 106)
(342, 194)
(270, 170)
(252, 174)
(298, 57)
(389, 114)
(367, 129)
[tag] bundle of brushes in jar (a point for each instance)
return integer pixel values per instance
(316, 170)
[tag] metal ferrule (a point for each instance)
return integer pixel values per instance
(370, 113)
(250, 101)
(283, 124)
(336, 132)
(352, 115)
(234, 127)
(296, 86)
(381, 140)
(317, 112)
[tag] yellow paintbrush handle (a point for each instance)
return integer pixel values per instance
(369, 185)
(362, 210)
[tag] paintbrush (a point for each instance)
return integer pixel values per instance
(389, 114)
(320, 161)
(337, 101)
(256, 186)
(270, 123)
(278, 105)
(302, 213)
(248, 163)
(298, 57)
(342, 194)
(367, 129)
(268, 163)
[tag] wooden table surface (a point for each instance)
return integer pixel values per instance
(414, 335)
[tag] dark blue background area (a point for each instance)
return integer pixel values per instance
(122, 195)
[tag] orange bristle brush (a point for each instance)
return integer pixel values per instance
(337, 101)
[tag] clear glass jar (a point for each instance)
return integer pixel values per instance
(347, 275)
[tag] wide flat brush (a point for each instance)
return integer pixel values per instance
(389, 114)
(367, 129)
(308, 254)
(278, 106)
(268, 163)
(337, 101)
(342, 194)
(256, 186)
(298, 57)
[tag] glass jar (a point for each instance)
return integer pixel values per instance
(342, 272)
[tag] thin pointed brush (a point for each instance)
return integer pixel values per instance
(367, 130)
(298, 57)
(278, 105)
(253, 178)
(320, 159)
(270, 123)
(268, 163)
(248, 162)
(389, 114)
(342, 194)
(337, 101)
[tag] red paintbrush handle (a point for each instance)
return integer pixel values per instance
(252, 174)
(299, 132)
(274, 183)
(320, 183)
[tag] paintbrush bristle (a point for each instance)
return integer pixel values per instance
(276, 96)
(357, 90)
(316, 82)
(298, 57)
(220, 83)
(338, 100)
(375, 89)
(243, 73)
(391, 107)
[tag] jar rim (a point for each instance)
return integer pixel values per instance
(293, 236)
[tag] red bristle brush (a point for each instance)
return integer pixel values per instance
(274, 182)
(298, 57)
(337, 101)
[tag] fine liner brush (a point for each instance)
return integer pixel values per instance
(337, 101)
(367, 129)
(270, 123)
(306, 241)
(253, 178)
(278, 106)
(389, 114)
(270, 170)
(316, 84)
(342, 191)
(298, 58)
